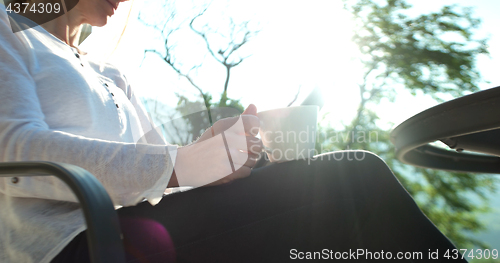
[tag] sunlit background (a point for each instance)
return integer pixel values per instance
(304, 44)
(301, 44)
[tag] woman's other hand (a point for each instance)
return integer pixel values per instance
(226, 151)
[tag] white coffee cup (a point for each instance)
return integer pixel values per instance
(289, 133)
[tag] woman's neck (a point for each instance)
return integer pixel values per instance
(63, 28)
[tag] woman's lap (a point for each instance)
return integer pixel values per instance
(337, 202)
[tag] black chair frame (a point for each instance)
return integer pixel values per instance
(469, 124)
(103, 229)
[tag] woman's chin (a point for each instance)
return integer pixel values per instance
(100, 22)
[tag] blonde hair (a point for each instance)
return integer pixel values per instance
(117, 38)
(120, 37)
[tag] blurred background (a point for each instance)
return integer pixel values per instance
(375, 62)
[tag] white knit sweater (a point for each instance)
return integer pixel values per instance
(55, 105)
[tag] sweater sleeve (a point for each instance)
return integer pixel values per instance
(130, 172)
(152, 134)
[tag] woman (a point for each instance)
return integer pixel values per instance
(56, 105)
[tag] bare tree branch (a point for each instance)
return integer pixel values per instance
(224, 56)
(203, 35)
(235, 36)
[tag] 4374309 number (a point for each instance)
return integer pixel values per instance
(471, 253)
(40, 8)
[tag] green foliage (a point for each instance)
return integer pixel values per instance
(227, 102)
(432, 54)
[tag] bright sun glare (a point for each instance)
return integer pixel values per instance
(301, 44)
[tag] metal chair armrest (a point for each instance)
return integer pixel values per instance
(103, 229)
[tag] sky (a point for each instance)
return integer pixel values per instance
(301, 44)
(304, 44)
(298, 46)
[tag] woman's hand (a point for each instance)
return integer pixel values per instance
(226, 151)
